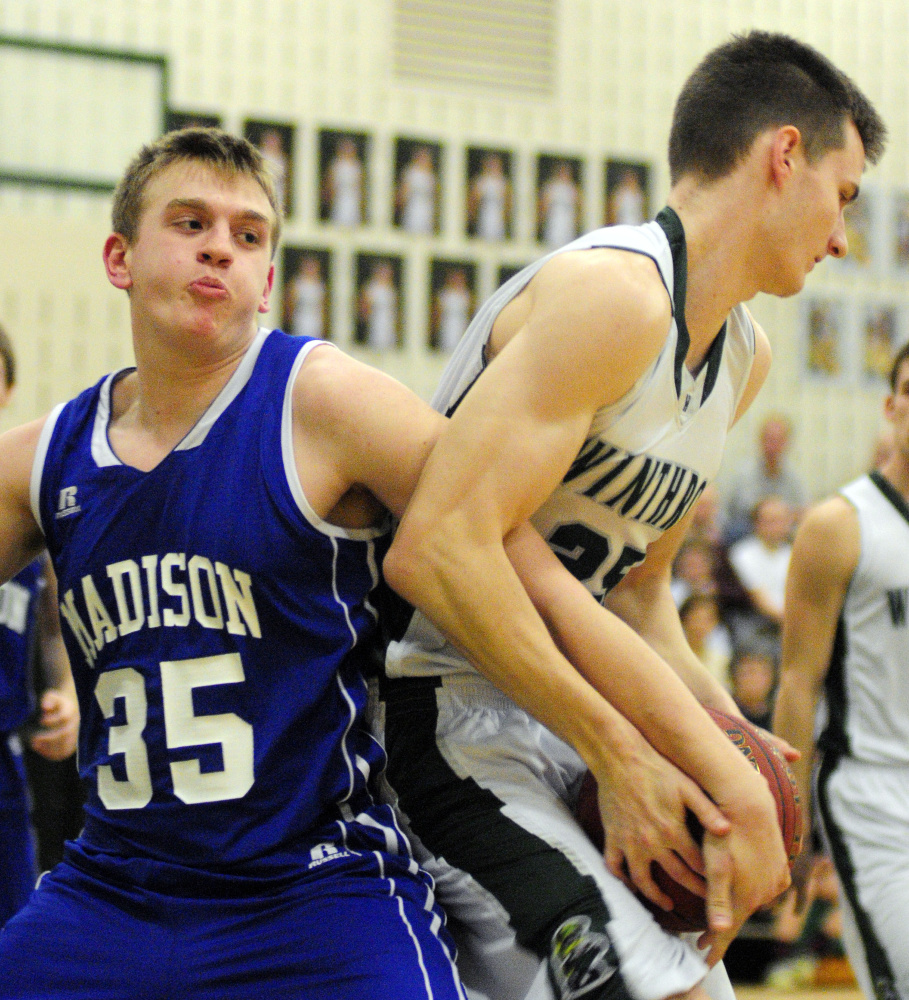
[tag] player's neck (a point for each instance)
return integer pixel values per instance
(718, 279)
(896, 471)
(156, 407)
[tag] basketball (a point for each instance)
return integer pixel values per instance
(689, 913)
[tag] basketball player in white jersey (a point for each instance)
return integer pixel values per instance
(593, 394)
(846, 636)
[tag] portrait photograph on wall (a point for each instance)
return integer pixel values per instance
(489, 194)
(879, 334)
(306, 304)
(417, 188)
(378, 306)
(275, 141)
(627, 195)
(899, 202)
(452, 297)
(174, 120)
(343, 177)
(824, 337)
(559, 199)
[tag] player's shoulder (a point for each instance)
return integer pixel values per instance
(829, 536)
(616, 288)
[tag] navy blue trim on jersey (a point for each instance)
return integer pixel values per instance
(891, 493)
(882, 978)
(18, 609)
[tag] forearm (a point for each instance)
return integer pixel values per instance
(793, 721)
(475, 595)
(648, 608)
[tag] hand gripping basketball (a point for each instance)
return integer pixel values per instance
(689, 913)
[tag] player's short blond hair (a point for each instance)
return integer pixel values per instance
(226, 153)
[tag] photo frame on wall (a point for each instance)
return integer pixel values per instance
(174, 120)
(488, 195)
(506, 272)
(827, 338)
(627, 193)
(306, 303)
(417, 187)
(899, 227)
(559, 199)
(452, 299)
(880, 334)
(276, 142)
(344, 177)
(378, 301)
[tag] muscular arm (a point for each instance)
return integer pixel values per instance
(824, 557)
(644, 601)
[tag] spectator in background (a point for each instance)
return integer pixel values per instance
(769, 473)
(706, 634)
(753, 679)
(761, 560)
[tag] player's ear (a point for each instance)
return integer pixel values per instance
(116, 261)
(269, 282)
(785, 145)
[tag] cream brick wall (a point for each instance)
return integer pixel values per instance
(330, 64)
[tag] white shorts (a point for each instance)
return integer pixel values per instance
(486, 792)
(864, 811)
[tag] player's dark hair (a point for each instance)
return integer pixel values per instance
(901, 355)
(229, 154)
(9, 358)
(762, 80)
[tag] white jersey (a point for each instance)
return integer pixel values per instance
(647, 457)
(868, 680)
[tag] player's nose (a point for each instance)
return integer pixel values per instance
(838, 245)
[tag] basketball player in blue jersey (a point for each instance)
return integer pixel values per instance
(28, 616)
(593, 394)
(846, 637)
(217, 518)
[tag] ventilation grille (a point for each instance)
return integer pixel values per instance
(485, 43)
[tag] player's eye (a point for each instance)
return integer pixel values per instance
(250, 236)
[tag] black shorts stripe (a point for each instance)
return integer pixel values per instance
(462, 823)
(882, 978)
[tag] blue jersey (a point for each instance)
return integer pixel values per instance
(18, 606)
(219, 631)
